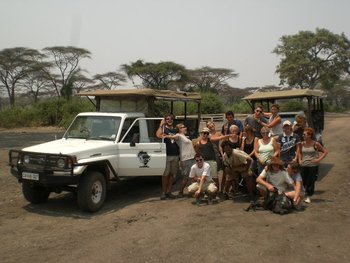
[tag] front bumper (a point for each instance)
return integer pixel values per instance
(42, 173)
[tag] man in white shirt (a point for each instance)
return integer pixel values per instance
(202, 180)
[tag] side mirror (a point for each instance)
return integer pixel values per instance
(135, 139)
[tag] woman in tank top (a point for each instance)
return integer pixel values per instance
(207, 149)
(247, 145)
(275, 121)
(310, 153)
(265, 148)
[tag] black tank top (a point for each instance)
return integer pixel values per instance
(207, 151)
(249, 147)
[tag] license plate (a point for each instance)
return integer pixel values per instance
(30, 176)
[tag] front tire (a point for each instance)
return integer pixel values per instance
(34, 193)
(92, 191)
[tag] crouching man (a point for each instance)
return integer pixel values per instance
(202, 181)
(237, 163)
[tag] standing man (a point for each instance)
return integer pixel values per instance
(255, 121)
(288, 142)
(202, 182)
(172, 155)
(230, 117)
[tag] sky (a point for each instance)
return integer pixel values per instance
(234, 34)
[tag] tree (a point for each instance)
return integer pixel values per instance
(209, 79)
(81, 82)
(155, 75)
(15, 63)
(35, 82)
(310, 58)
(109, 80)
(63, 65)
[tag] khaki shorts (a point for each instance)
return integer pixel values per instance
(172, 165)
(234, 173)
(210, 188)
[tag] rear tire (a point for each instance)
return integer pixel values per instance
(35, 194)
(92, 191)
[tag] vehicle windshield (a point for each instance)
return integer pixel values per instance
(94, 128)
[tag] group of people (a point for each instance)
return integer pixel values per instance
(264, 154)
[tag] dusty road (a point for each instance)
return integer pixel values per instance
(135, 226)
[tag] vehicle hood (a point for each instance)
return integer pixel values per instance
(79, 147)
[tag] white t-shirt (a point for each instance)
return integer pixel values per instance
(186, 148)
(199, 172)
(281, 180)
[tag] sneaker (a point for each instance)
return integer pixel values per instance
(163, 196)
(170, 196)
(307, 200)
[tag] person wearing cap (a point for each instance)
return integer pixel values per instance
(274, 176)
(288, 142)
(209, 152)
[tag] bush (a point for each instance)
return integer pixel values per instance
(241, 107)
(53, 112)
(19, 117)
(211, 103)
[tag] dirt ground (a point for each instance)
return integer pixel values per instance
(135, 226)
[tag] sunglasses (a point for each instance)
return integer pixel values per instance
(258, 111)
(199, 160)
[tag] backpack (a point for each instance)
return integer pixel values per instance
(278, 203)
(282, 204)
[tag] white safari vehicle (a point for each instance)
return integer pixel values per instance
(98, 148)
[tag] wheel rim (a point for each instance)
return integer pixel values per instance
(96, 192)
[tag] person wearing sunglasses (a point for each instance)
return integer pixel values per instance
(172, 155)
(209, 152)
(310, 153)
(202, 181)
(187, 153)
(255, 121)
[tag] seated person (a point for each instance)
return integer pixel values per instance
(274, 176)
(237, 163)
(296, 192)
(202, 182)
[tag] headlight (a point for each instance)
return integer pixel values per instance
(61, 163)
(26, 159)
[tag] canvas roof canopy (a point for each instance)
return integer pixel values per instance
(284, 94)
(157, 94)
